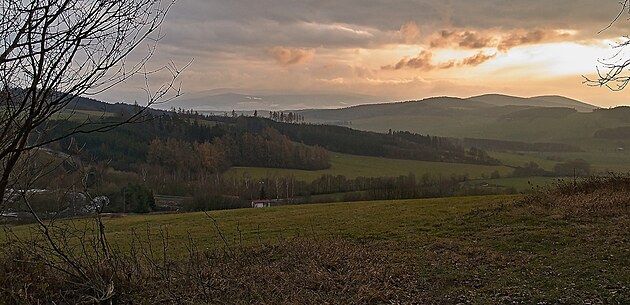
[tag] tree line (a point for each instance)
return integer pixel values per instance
(193, 161)
(502, 145)
(289, 117)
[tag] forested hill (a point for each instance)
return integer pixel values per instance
(178, 141)
(398, 145)
(173, 137)
(550, 119)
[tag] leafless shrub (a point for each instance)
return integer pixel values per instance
(293, 271)
(607, 196)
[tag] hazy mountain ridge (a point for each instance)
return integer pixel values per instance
(227, 99)
(537, 119)
(536, 101)
(494, 116)
(250, 100)
(483, 105)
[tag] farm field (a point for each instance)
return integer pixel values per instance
(519, 184)
(602, 162)
(353, 166)
(81, 115)
(576, 129)
(482, 250)
(373, 220)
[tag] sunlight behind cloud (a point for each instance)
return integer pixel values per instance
(549, 60)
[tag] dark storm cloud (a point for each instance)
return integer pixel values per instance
(245, 21)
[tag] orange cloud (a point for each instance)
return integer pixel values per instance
(464, 39)
(532, 37)
(409, 31)
(292, 56)
(477, 59)
(424, 62)
(502, 41)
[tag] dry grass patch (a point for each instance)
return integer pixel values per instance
(295, 271)
(584, 199)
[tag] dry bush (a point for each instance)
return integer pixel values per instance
(607, 196)
(292, 271)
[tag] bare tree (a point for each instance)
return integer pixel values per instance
(612, 73)
(52, 51)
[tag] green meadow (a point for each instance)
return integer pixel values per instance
(480, 250)
(602, 162)
(353, 166)
(81, 115)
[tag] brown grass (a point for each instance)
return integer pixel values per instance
(584, 199)
(296, 271)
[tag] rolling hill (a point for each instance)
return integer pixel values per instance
(250, 100)
(493, 116)
(537, 101)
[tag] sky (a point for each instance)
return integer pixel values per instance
(394, 49)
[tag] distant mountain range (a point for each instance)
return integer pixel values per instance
(250, 100)
(541, 119)
(537, 101)
(262, 100)
(537, 119)
(491, 105)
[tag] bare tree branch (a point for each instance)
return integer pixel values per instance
(611, 73)
(54, 51)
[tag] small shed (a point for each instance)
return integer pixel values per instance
(261, 203)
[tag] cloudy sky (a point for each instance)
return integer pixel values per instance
(395, 49)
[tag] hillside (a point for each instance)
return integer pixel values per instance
(479, 250)
(537, 101)
(437, 106)
(550, 119)
(220, 162)
(446, 106)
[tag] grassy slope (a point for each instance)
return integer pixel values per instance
(81, 115)
(356, 166)
(482, 250)
(376, 220)
(505, 123)
(501, 253)
(601, 162)
(569, 129)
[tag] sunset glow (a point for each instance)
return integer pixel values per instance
(406, 50)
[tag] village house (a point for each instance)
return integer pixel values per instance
(261, 203)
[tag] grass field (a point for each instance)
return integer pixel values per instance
(360, 166)
(520, 184)
(479, 250)
(81, 115)
(352, 166)
(572, 129)
(520, 158)
(601, 161)
(356, 220)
